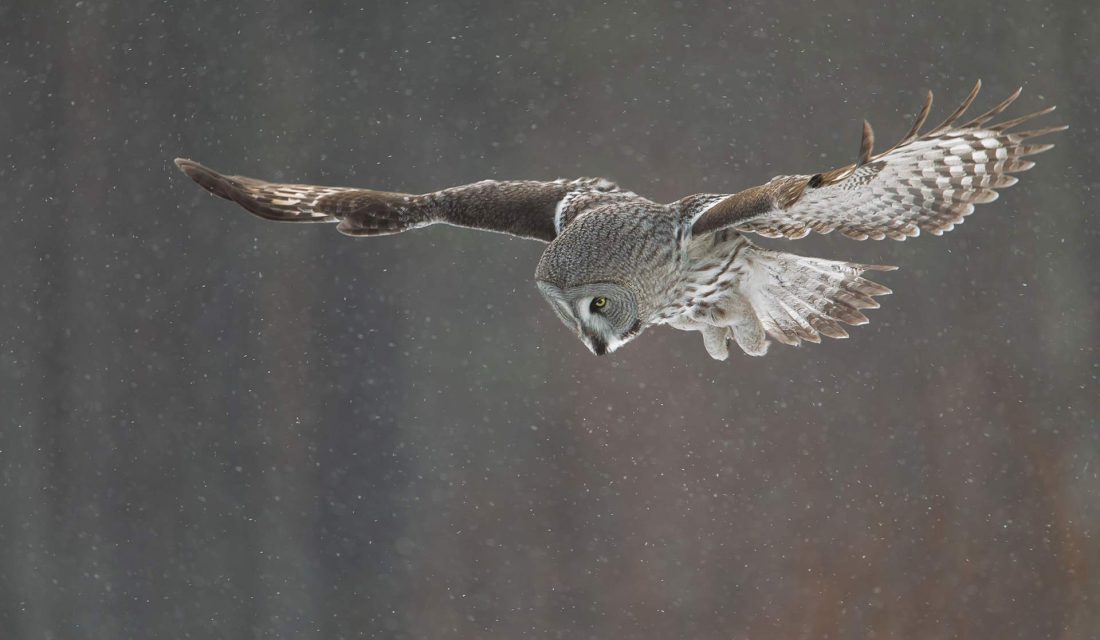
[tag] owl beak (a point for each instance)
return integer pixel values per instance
(597, 345)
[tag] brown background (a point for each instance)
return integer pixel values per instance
(216, 427)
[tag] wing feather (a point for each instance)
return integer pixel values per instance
(925, 183)
(524, 208)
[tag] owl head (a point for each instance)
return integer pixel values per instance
(598, 276)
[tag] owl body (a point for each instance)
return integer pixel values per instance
(711, 298)
(617, 263)
(719, 284)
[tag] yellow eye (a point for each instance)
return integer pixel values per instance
(599, 302)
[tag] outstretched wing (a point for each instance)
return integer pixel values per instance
(527, 209)
(927, 182)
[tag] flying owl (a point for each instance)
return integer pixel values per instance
(617, 263)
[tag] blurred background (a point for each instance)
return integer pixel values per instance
(218, 427)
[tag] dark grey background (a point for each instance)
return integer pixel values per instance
(217, 427)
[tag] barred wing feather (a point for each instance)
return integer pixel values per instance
(927, 182)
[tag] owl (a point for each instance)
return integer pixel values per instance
(618, 263)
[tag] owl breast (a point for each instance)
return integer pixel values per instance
(709, 282)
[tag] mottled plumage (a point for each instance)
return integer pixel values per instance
(618, 263)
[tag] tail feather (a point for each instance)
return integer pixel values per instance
(801, 299)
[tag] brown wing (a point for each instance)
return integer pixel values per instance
(521, 208)
(926, 182)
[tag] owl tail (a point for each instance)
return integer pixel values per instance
(795, 298)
